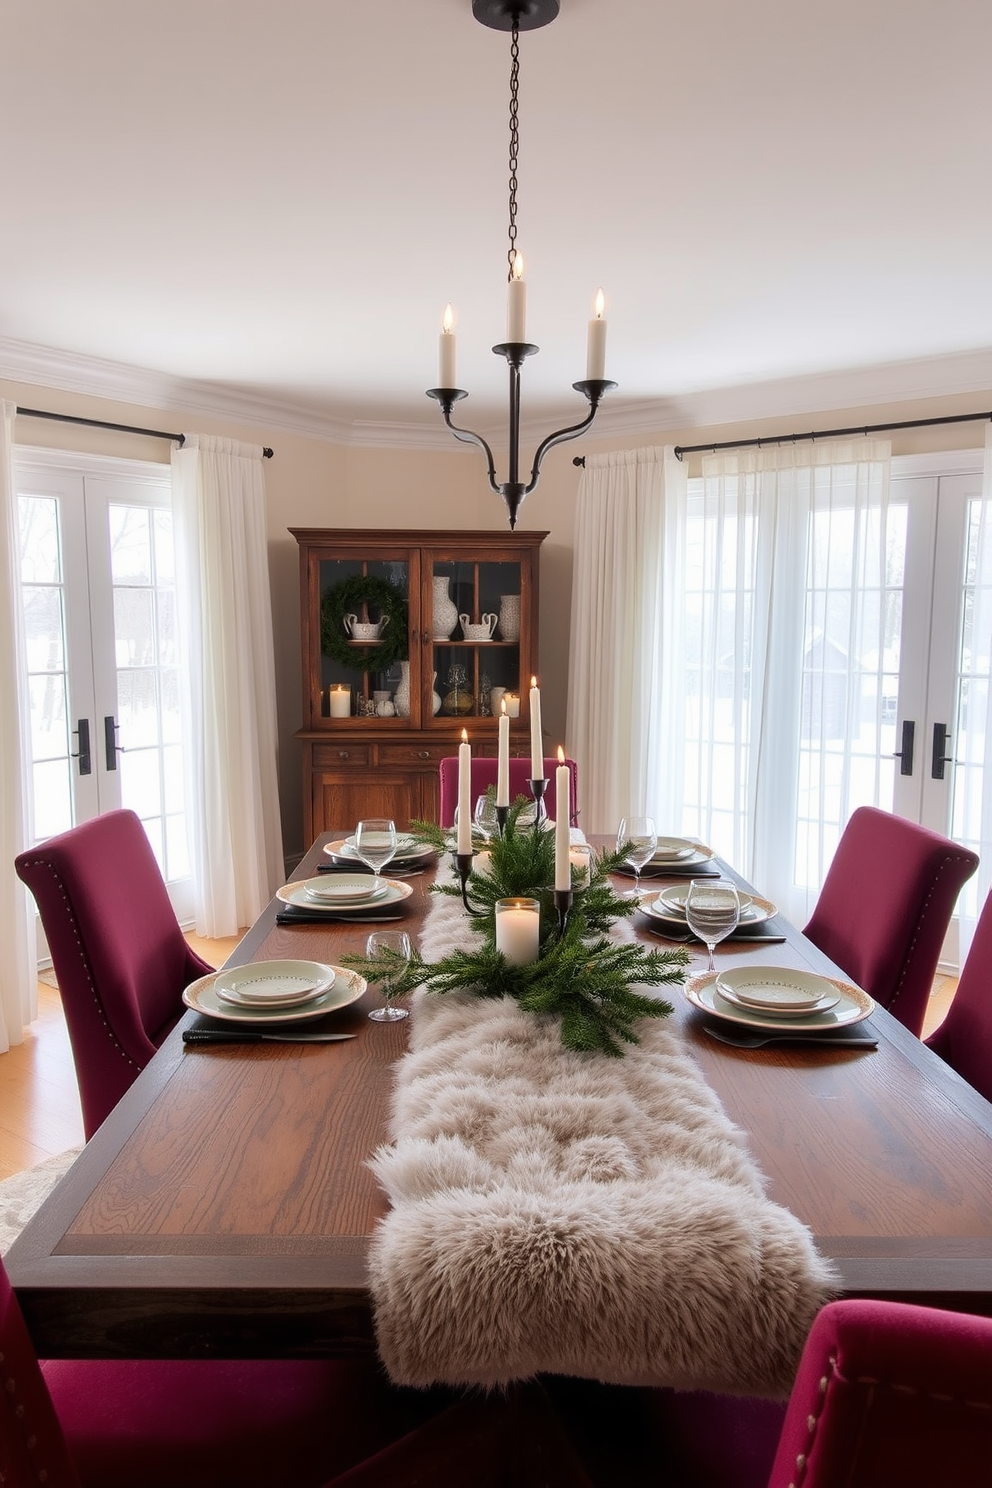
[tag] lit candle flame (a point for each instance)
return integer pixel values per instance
(464, 736)
(448, 320)
(561, 755)
(533, 681)
(599, 305)
(518, 265)
(502, 704)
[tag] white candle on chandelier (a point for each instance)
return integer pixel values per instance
(503, 757)
(516, 302)
(596, 344)
(464, 842)
(563, 813)
(446, 350)
(536, 735)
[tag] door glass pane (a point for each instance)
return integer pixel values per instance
(44, 616)
(476, 631)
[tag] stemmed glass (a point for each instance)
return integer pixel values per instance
(391, 947)
(485, 816)
(640, 832)
(375, 842)
(712, 911)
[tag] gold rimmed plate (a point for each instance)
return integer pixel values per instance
(296, 895)
(656, 907)
(852, 1006)
(346, 988)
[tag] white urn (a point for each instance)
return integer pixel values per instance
(445, 611)
(509, 617)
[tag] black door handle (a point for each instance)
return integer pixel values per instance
(905, 754)
(110, 744)
(939, 759)
(82, 733)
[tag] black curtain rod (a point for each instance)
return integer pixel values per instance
(71, 418)
(864, 429)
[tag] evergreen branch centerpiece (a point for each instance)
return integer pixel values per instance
(582, 975)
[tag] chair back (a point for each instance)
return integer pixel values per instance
(120, 958)
(31, 1439)
(889, 1396)
(885, 906)
(484, 775)
(964, 1039)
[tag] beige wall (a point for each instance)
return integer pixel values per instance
(314, 483)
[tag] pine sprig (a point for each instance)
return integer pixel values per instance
(583, 977)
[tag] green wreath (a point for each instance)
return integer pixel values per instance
(347, 598)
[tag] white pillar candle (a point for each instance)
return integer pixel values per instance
(511, 703)
(516, 303)
(563, 813)
(596, 344)
(503, 757)
(339, 702)
(464, 842)
(536, 735)
(446, 350)
(518, 930)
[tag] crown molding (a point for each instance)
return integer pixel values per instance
(895, 382)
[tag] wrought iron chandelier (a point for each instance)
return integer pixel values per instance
(516, 16)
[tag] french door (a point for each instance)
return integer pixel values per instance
(99, 623)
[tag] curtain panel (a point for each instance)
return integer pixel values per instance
(226, 615)
(18, 974)
(621, 627)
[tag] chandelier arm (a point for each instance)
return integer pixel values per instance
(563, 435)
(465, 435)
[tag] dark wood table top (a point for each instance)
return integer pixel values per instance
(224, 1207)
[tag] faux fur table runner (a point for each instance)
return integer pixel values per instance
(574, 1214)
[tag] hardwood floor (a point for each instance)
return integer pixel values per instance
(39, 1105)
(39, 1102)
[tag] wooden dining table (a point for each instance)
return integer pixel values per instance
(225, 1207)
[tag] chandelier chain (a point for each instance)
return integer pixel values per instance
(514, 142)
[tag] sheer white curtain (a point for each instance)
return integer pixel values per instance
(225, 609)
(617, 711)
(972, 804)
(18, 982)
(776, 695)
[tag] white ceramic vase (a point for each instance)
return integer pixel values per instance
(509, 617)
(401, 697)
(445, 614)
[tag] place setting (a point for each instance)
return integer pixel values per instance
(665, 911)
(756, 1005)
(352, 895)
(652, 856)
(266, 1000)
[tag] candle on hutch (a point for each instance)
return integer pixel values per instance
(339, 701)
(563, 815)
(503, 757)
(511, 702)
(518, 930)
(464, 842)
(536, 736)
(596, 343)
(446, 350)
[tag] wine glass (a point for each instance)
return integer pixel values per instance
(485, 816)
(640, 833)
(391, 947)
(375, 842)
(712, 911)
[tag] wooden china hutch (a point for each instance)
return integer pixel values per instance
(383, 703)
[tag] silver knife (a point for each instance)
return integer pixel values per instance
(250, 1036)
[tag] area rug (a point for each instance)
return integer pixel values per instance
(574, 1214)
(23, 1194)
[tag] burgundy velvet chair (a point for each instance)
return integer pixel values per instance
(885, 906)
(886, 1396)
(197, 1423)
(120, 958)
(964, 1039)
(484, 775)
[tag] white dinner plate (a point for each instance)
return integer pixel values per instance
(347, 988)
(653, 905)
(273, 983)
(407, 846)
(672, 849)
(296, 895)
(345, 888)
(343, 848)
(658, 867)
(675, 895)
(775, 989)
(853, 1006)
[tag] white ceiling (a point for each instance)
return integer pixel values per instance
(279, 196)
